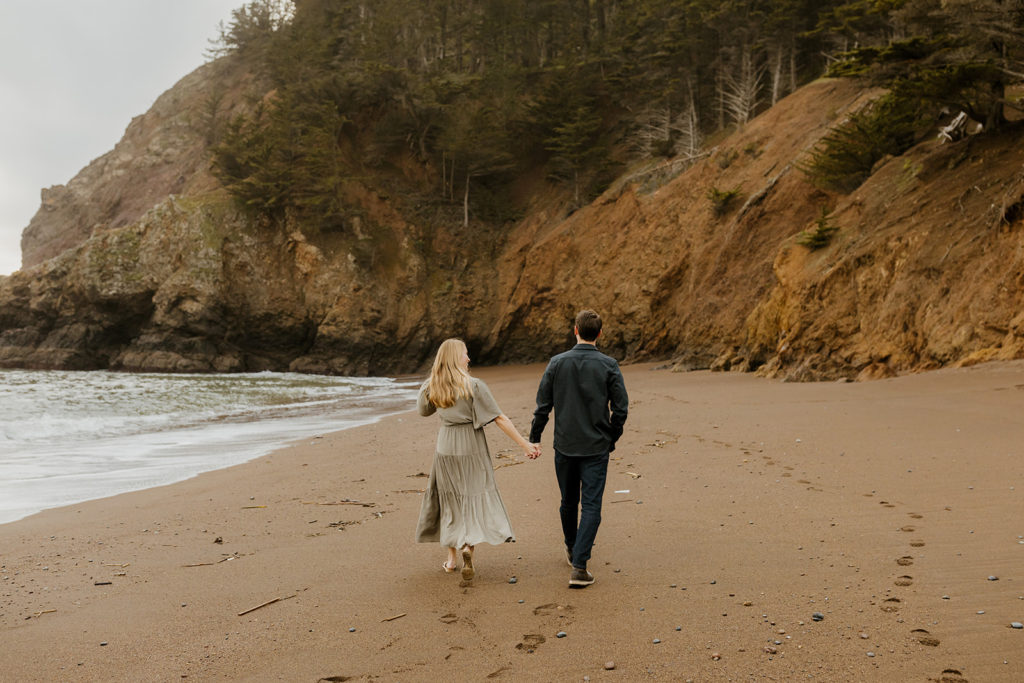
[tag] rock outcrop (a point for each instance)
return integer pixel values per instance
(926, 269)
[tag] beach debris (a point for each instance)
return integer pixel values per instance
(1016, 624)
(352, 629)
(871, 654)
(679, 628)
(512, 579)
(817, 616)
(522, 601)
(103, 644)
(262, 605)
(981, 611)
(335, 679)
(863, 636)
(253, 507)
(561, 634)
(771, 649)
(408, 491)
(609, 665)
(623, 500)
(418, 474)
(210, 564)
(635, 475)
(716, 656)
(103, 583)
(656, 641)
(45, 611)
(344, 501)
(113, 564)
(622, 491)
(397, 616)
(219, 540)
(993, 578)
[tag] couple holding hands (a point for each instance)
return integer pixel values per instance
(462, 507)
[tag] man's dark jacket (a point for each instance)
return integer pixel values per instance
(580, 385)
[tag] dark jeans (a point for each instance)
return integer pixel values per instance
(581, 481)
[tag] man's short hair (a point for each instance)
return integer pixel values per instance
(588, 325)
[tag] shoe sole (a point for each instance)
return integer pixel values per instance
(580, 584)
(467, 565)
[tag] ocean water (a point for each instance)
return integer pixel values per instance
(66, 437)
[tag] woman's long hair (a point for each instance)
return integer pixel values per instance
(448, 380)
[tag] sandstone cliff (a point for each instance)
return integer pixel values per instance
(926, 269)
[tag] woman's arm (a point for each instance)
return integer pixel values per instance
(506, 426)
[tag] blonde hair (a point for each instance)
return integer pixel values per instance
(449, 381)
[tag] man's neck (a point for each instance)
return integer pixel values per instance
(580, 340)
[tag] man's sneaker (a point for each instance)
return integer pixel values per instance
(580, 578)
(568, 556)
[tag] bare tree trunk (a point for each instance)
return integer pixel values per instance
(465, 203)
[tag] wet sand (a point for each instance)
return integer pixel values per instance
(736, 509)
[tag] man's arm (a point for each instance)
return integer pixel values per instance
(545, 402)
(619, 402)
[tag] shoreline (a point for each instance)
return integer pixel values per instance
(752, 505)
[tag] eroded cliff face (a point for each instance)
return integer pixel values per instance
(163, 152)
(926, 270)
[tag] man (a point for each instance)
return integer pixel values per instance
(581, 385)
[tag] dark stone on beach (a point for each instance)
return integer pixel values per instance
(679, 628)
(522, 601)
(657, 640)
(993, 578)
(561, 634)
(103, 644)
(512, 580)
(352, 630)
(817, 616)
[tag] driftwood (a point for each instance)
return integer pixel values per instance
(209, 564)
(397, 616)
(268, 602)
(341, 502)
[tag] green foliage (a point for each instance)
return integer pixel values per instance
(845, 156)
(479, 92)
(821, 235)
(721, 200)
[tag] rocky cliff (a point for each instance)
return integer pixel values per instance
(145, 265)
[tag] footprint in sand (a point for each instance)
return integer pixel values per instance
(530, 642)
(914, 515)
(886, 503)
(449, 618)
(922, 636)
(891, 605)
(552, 608)
(802, 481)
(904, 580)
(917, 544)
(908, 529)
(786, 474)
(951, 676)
(905, 561)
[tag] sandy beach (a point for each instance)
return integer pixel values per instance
(738, 510)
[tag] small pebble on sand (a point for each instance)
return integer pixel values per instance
(817, 616)
(352, 630)
(1016, 624)
(561, 634)
(864, 636)
(993, 578)
(716, 656)
(871, 654)
(512, 579)
(609, 665)
(656, 641)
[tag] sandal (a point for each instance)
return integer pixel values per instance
(447, 569)
(467, 563)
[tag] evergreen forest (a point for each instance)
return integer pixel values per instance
(578, 92)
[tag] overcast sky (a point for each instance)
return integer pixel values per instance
(73, 73)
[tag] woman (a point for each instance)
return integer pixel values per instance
(461, 506)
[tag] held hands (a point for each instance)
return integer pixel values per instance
(533, 452)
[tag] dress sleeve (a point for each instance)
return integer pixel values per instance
(485, 408)
(423, 403)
